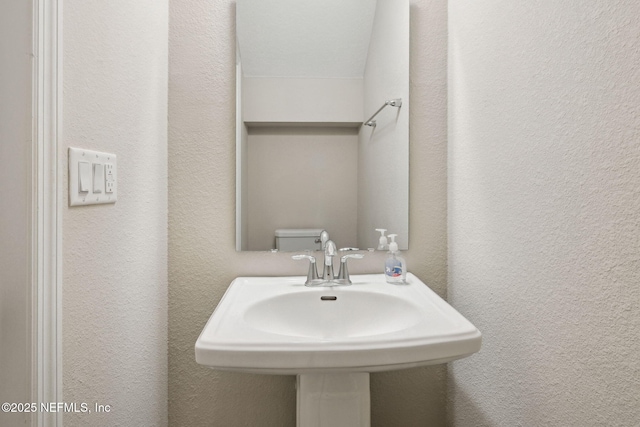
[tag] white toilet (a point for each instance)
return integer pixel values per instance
(298, 239)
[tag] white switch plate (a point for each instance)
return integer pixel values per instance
(109, 193)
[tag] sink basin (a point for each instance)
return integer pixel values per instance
(354, 314)
(277, 325)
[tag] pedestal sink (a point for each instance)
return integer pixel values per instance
(332, 337)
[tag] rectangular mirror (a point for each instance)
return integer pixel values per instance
(309, 155)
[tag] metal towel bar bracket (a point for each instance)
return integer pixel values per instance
(393, 102)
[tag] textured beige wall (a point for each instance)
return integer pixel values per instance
(544, 211)
(202, 259)
(115, 256)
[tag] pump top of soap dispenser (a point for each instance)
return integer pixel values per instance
(393, 246)
(382, 242)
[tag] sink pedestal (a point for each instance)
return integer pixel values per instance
(333, 400)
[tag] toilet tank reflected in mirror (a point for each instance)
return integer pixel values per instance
(298, 239)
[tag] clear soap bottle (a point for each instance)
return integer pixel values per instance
(395, 267)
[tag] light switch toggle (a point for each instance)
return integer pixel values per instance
(98, 178)
(84, 177)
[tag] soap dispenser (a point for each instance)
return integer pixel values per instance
(382, 242)
(395, 267)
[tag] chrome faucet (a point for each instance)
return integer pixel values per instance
(328, 278)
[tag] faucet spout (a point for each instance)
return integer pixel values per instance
(330, 251)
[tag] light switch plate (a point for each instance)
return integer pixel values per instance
(109, 187)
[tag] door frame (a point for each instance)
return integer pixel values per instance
(47, 210)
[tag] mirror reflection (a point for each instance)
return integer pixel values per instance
(309, 157)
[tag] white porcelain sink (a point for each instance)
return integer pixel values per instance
(277, 325)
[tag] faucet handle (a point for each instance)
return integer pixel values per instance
(344, 258)
(302, 256)
(312, 274)
(343, 275)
